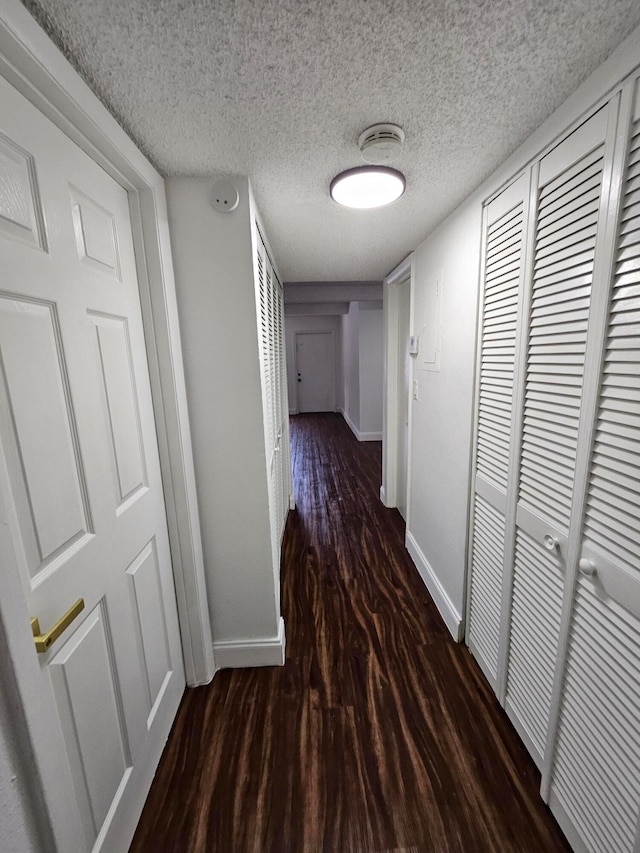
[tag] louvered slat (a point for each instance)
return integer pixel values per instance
(596, 773)
(613, 505)
(501, 278)
(486, 582)
(535, 626)
(563, 268)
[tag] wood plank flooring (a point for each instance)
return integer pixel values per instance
(379, 735)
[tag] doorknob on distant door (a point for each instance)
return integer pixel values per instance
(45, 641)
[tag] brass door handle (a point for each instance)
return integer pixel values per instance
(45, 641)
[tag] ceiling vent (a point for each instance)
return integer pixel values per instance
(381, 143)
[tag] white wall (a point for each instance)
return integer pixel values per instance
(363, 369)
(19, 824)
(312, 323)
(371, 340)
(442, 416)
(216, 302)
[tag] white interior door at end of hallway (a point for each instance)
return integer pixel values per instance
(404, 373)
(315, 372)
(80, 478)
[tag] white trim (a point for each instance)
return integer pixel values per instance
(263, 651)
(32, 63)
(383, 496)
(349, 422)
(401, 272)
(399, 277)
(369, 436)
(452, 619)
(361, 436)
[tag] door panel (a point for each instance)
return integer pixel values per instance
(569, 202)
(79, 468)
(114, 350)
(48, 477)
(503, 275)
(595, 775)
(86, 688)
(147, 596)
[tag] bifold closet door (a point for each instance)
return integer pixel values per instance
(504, 237)
(275, 406)
(595, 773)
(569, 231)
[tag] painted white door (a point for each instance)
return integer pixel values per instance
(79, 471)
(595, 772)
(316, 375)
(404, 370)
(567, 239)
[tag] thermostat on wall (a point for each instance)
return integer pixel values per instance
(414, 345)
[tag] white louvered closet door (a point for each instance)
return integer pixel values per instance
(504, 234)
(568, 219)
(275, 406)
(278, 359)
(596, 768)
(283, 415)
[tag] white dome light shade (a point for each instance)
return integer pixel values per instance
(367, 186)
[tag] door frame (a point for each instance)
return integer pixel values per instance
(401, 276)
(333, 356)
(35, 67)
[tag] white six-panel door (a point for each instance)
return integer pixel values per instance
(79, 468)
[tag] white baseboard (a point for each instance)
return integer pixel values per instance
(292, 501)
(370, 436)
(264, 651)
(361, 436)
(452, 618)
(350, 423)
(383, 495)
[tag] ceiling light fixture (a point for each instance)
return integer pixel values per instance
(366, 187)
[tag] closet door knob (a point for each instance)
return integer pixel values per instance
(551, 542)
(587, 567)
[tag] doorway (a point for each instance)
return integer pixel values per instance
(395, 490)
(315, 371)
(404, 373)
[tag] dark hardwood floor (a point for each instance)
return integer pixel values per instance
(379, 733)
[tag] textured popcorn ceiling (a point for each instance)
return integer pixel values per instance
(281, 89)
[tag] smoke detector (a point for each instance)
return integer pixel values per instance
(381, 143)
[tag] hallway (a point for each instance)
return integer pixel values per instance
(379, 734)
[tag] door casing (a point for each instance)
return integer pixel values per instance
(35, 67)
(401, 276)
